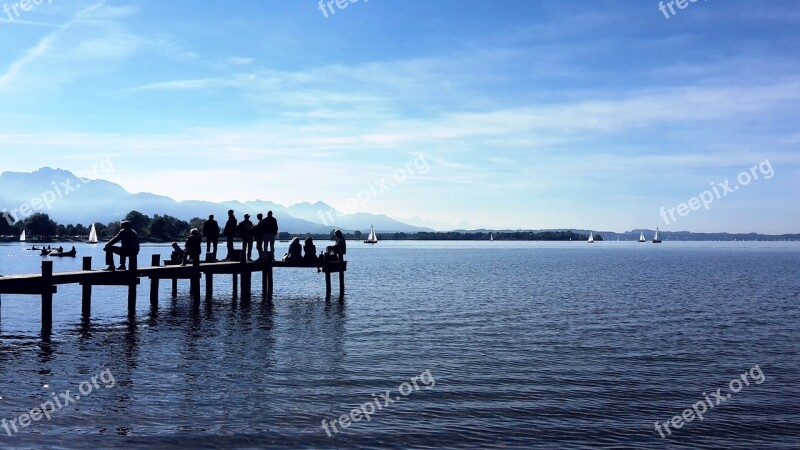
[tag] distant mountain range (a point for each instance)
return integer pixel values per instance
(68, 199)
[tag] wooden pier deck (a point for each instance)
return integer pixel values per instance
(46, 284)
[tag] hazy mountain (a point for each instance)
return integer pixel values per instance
(67, 199)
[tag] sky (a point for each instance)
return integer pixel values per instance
(604, 115)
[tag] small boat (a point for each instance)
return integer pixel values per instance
(70, 254)
(591, 238)
(641, 237)
(372, 238)
(34, 248)
(656, 238)
(22, 236)
(491, 237)
(93, 235)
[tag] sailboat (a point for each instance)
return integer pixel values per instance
(656, 238)
(372, 238)
(22, 236)
(641, 237)
(591, 238)
(93, 235)
(491, 237)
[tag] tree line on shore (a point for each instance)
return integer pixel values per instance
(165, 228)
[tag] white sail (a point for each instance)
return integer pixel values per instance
(372, 238)
(93, 235)
(491, 237)
(591, 237)
(656, 238)
(22, 236)
(641, 237)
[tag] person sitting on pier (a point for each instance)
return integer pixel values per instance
(230, 233)
(194, 246)
(340, 247)
(177, 253)
(129, 248)
(270, 233)
(310, 252)
(295, 255)
(211, 232)
(245, 230)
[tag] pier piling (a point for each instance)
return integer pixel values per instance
(86, 290)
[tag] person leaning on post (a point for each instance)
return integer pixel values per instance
(129, 246)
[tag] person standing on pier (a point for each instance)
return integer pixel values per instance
(211, 232)
(230, 233)
(270, 233)
(246, 233)
(129, 246)
(258, 234)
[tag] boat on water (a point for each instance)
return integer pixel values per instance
(657, 237)
(22, 236)
(93, 235)
(70, 254)
(491, 237)
(591, 238)
(372, 238)
(641, 237)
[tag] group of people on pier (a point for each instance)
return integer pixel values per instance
(263, 232)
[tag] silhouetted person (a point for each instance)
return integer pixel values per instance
(129, 246)
(310, 252)
(245, 230)
(295, 254)
(230, 233)
(270, 233)
(194, 245)
(211, 232)
(177, 253)
(258, 234)
(340, 247)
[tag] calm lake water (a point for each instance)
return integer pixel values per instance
(513, 345)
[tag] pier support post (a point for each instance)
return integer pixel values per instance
(341, 283)
(246, 277)
(235, 285)
(86, 290)
(155, 262)
(327, 283)
(133, 273)
(269, 280)
(47, 296)
(209, 285)
(194, 283)
(174, 288)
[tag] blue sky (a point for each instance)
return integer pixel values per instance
(503, 114)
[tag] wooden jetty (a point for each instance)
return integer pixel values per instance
(46, 284)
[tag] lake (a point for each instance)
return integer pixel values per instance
(436, 345)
